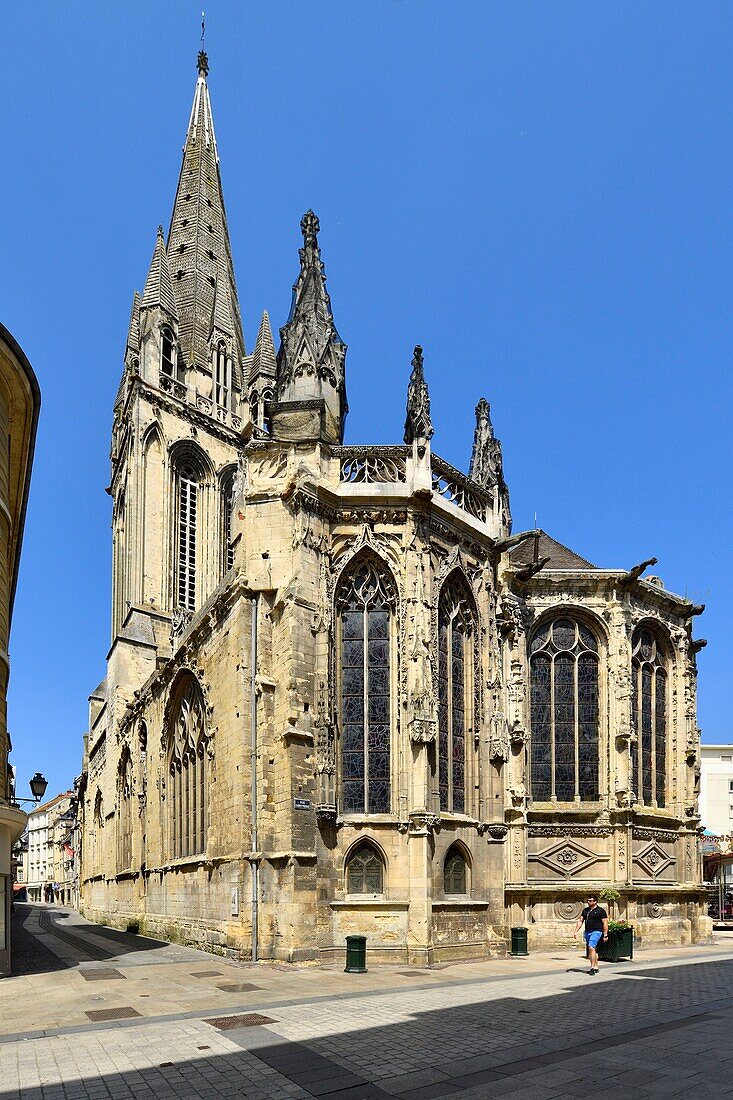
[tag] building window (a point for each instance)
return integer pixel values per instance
(455, 873)
(365, 601)
(187, 508)
(227, 502)
(167, 353)
(222, 381)
(455, 666)
(124, 812)
(564, 712)
(365, 871)
(649, 717)
(188, 771)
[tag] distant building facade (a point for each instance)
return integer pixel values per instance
(44, 831)
(716, 789)
(341, 696)
(20, 402)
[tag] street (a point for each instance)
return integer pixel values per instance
(190, 1024)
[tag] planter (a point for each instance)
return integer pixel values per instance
(620, 945)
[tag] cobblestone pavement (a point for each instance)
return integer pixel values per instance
(94, 1013)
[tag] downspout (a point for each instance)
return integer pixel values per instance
(254, 864)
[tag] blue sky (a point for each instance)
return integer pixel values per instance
(539, 193)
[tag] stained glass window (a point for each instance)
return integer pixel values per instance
(564, 712)
(365, 872)
(454, 873)
(455, 632)
(649, 718)
(366, 601)
(188, 764)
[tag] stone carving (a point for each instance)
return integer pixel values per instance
(499, 729)
(423, 724)
(654, 860)
(568, 910)
(654, 909)
(418, 425)
(422, 821)
(373, 464)
(567, 858)
(180, 620)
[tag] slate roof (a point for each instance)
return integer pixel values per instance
(561, 557)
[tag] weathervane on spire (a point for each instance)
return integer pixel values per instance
(203, 58)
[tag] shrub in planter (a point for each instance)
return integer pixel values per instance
(620, 944)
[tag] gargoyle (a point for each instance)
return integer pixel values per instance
(514, 540)
(528, 571)
(692, 609)
(635, 573)
(697, 644)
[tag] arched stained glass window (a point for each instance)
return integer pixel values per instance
(365, 871)
(188, 766)
(365, 602)
(455, 667)
(564, 712)
(649, 718)
(187, 512)
(455, 873)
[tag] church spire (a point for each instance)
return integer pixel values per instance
(199, 252)
(311, 359)
(158, 293)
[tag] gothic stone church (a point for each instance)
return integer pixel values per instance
(341, 696)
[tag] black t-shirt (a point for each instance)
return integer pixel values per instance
(594, 918)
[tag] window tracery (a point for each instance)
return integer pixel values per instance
(188, 491)
(222, 375)
(455, 872)
(649, 717)
(455, 679)
(188, 768)
(564, 712)
(365, 871)
(365, 603)
(167, 353)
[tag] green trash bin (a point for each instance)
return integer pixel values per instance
(355, 955)
(519, 941)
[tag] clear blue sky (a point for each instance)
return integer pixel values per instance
(539, 193)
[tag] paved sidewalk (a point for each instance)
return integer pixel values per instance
(537, 1027)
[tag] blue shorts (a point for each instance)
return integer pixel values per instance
(592, 938)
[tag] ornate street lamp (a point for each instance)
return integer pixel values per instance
(38, 786)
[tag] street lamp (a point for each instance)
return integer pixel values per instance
(38, 786)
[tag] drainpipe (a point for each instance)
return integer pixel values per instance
(254, 865)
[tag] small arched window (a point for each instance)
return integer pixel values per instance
(564, 712)
(167, 353)
(455, 872)
(188, 768)
(254, 408)
(365, 871)
(222, 381)
(365, 601)
(188, 487)
(649, 717)
(124, 812)
(455, 682)
(267, 398)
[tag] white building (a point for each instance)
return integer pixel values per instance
(716, 788)
(41, 835)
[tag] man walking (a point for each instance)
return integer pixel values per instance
(595, 920)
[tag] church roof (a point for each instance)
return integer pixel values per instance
(199, 251)
(545, 546)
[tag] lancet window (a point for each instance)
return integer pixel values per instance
(167, 353)
(455, 682)
(649, 717)
(222, 375)
(365, 871)
(227, 501)
(564, 712)
(124, 812)
(187, 508)
(365, 602)
(188, 771)
(455, 872)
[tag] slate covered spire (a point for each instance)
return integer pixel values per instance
(312, 355)
(264, 360)
(199, 252)
(158, 293)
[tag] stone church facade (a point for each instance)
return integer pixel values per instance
(341, 696)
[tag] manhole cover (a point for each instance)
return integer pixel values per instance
(235, 987)
(99, 1014)
(208, 974)
(247, 1019)
(414, 973)
(102, 974)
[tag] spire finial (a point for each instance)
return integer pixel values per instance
(203, 58)
(310, 228)
(418, 425)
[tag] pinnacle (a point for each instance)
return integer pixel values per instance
(158, 291)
